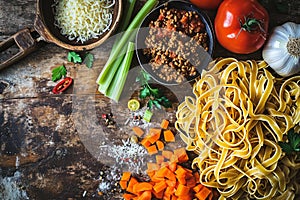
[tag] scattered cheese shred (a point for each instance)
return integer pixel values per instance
(83, 19)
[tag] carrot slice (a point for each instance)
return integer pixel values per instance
(160, 145)
(203, 193)
(131, 183)
(141, 187)
(181, 155)
(152, 166)
(164, 124)
(153, 137)
(169, 136)
(138, 131)
(182, 190)
(167, 154)
(152, 150)
(160, 186)
(123, 184)
(146, 195)
(128, 196)
(125, 176)
(197, 188)
(145, 142)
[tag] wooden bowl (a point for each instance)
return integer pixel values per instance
(44, 25)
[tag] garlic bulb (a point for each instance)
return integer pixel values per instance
(282, 51)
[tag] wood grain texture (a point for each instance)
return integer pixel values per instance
(53, 139)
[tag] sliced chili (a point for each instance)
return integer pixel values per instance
(62, 85)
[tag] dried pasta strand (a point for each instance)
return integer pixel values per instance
(239, 113)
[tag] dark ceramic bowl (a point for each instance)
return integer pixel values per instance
(143, 32)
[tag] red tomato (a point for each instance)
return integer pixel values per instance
(207, 4)
(241, 26)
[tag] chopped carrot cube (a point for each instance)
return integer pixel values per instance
(152, 150)
(138, 131)
(164, 124)
(169, 136)
(160, 145)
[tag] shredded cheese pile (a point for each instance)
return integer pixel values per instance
(83, 19)
(234, 122)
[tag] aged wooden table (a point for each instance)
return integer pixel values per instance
(55, 146)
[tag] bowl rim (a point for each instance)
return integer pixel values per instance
(208, 26)
(43, 29)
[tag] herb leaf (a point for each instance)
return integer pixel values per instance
(74, 57)
(145, 92)
(89, 60)
(293, 143)
(58, 73)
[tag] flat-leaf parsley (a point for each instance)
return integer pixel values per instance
(58, 73)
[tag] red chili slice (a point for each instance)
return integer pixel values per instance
(62, 85)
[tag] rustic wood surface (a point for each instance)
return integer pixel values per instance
(51, 139)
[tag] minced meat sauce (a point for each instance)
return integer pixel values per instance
(173, 44)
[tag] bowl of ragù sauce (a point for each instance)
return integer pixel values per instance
(175, 42)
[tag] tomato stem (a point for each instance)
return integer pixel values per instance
(251, 24)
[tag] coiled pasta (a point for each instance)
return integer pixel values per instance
(239, 113)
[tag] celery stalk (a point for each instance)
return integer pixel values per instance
(116, 87)
(126, 37)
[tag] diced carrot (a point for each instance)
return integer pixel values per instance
(197, 177)
(185, 197)
(157, 179)
(197, 188)
(158, 195)
(203, 193)
(174, 197)
(170, 175)
(181, 155)
(160, 186)
(131, 183)
(152, 166)
(125, 176)
(182, 190)
(146, 195)
(167, 154)
(150, 173)
(174, 159)
(152, 150)
(145, 142)
(181, 180)
(173, 166)
(164, 124)
(154, 131)
(180, 171)
(159, 159)
(162, 172)
(160, 145)
(171, 183)
(191, 182)
(128, 196)
(154, 137)
(123, 184)
(170, 190)
(169, 136)
(141, 187)
(164, 164)
(166, 197)
(138, 131)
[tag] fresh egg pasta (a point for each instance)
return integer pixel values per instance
(239, 113)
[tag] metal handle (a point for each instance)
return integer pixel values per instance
(26, 40)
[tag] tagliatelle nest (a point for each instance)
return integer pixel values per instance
(239, 113)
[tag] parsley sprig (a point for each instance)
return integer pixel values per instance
(154, 95)
(292, 144)
(58, 73)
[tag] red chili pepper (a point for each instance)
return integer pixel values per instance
(62, 85)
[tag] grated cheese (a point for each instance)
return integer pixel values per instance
(83, 19)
